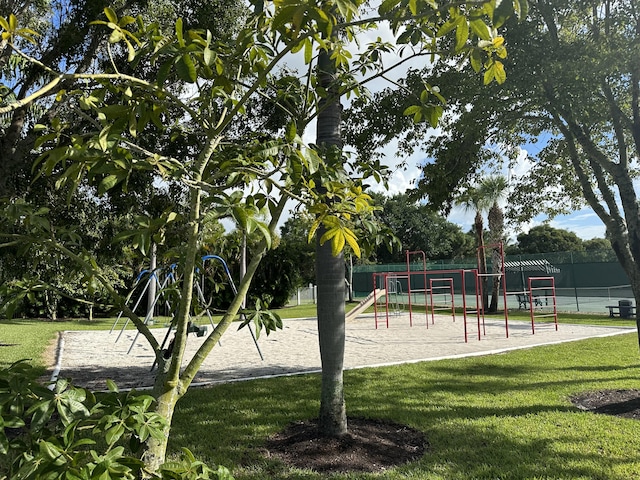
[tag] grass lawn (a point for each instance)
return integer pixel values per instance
(504, 416)
(497, 417)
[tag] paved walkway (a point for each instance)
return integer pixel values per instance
(91, 357)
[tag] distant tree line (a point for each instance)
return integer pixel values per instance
(283, 270)
(547, 239)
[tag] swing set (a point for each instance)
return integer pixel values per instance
(164, 280)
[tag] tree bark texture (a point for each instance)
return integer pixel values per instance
(482, 259)
(330, 271)
(332, 420)
(496, 231)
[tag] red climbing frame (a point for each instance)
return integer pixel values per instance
(545, 285)
(425, 291)
(441, 289)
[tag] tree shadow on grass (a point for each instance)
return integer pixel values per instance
(231, 424)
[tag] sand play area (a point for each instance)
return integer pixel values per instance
(91, 357)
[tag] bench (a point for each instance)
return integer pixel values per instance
(629, 310)
(523, 301)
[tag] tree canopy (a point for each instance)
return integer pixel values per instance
(546, 239)
(419, 229)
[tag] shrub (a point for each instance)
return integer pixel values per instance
(66, 432)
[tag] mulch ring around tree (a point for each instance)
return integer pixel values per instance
(620, 403)
(369, 446)
(377, 445)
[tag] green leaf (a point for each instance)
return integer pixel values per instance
(179, 32)
(108, 183)
(387, 6)
(435, 113)
(308, 51)
(131, 51)
(480, 29)
(521, 8)
(111, 386)
(476, 60)
(52, 453)
(186, 69)
(103, 138)
(446, 27)
(240, 216)
(116, 36)
(352, 241)
(291, 131)
(413, 7)
(283, 16)
(208, 56)
(500, 73)
(495, 71)
(314, 227)
(462, 35)
(111, 15)
(113, 434)
(412, 110)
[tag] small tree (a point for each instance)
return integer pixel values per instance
(219, 169)
(493, 189)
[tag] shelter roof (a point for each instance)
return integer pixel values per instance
(540, 265)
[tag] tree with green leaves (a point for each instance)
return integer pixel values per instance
(492, 190)
(472, 200)
(426, 29)
(418, 228)
(546, 239)
(220, 169)
(67, 36)
(572, 101)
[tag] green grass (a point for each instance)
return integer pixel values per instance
(497, 417)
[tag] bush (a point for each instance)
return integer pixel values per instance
(66, 432)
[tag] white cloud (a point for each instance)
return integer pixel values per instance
(584, 223)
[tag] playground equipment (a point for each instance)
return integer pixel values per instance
(431, 284)
(170, 278)
(445, 292)
(201, 331)
(542, 289)
(388, 286)
(364, 304)
(437, 289)
(499, 277)
(394, 293)
(415, 293)
(381, 280)
(235, 292)
(153, 276)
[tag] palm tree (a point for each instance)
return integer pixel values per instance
(472, 200)
(492, 190)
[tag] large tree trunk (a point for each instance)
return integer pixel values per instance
(332, 420)
(631, 267)
(330, 273)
